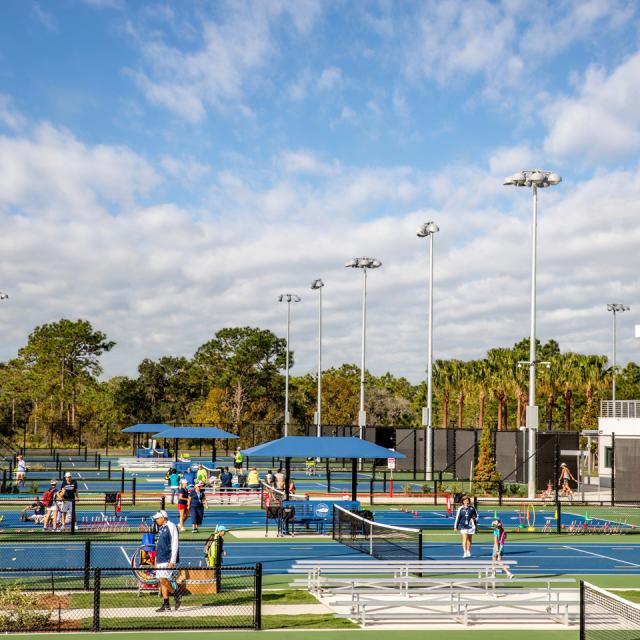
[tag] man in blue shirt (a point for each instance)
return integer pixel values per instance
(167, 557)
(226, 480)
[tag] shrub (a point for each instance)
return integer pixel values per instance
(20, 611)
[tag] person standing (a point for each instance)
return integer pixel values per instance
(69, 491)
(226, 480)
(238, 459)
(174, 483)
(280, 480)
(499, 539)
(50, 502)
(202, 475)
(167, 557)
(183, 503)
(466, 523)
(197, 503)
(190, 476)
(21, 471)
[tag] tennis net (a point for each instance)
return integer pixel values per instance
(272, 497)
(607, 616)
(381, 541)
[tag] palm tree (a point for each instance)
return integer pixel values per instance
(549, 387)
(444, 383)
(568, 379)
(477, 375)
(594, 377)
(459, 377)
(498, 363)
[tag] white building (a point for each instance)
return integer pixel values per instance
(620, 419)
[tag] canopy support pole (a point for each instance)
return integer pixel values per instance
(175, 446)
(354, 479)
(213, 451)
(287, 477)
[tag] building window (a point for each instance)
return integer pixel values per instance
(608, 457)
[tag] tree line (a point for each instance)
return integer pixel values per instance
(53, 390)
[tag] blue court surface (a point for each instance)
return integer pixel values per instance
(277, 557)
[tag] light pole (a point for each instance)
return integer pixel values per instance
(318, 284)
(427, 230)
(4, 296)
(364, 264)
(534, 178)
(615, 308)
(288, 298)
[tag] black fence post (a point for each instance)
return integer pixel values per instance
(371, 483)
(122, 480)
(420, 545)
(96, 600)
(556, 467)
(99, 461)
(85, 452)
(133, 491)
(558, 517)
(87, 565)
(328, 479)
(613, 469)
(3, 488)
(384, 482)
(73, 516)
(109, 470)
(258, 597)
(162, 503)
(500, 492)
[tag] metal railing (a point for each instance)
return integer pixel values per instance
(620, 409)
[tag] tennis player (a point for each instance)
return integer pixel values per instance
(499, 538)
(466, 523)
(167, 557)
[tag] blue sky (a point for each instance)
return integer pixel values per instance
(168, 168)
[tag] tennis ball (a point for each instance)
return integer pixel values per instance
(13, 558)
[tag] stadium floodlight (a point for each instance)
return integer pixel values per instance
(4, 296)
(615, 308)
(288, 298)
(317, 285)
(536, 179)
(365, 264)
(427, 230)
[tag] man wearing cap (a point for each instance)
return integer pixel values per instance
(167, 557)
(69, 491)
(202, 475)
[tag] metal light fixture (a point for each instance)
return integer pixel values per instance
(364, 264)
(4, 296)
(317, 285)
(427, 230)
(615, 308)
(288, 298)
(536, 179)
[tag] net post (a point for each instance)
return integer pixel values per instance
(328, 479)
(583, 634)
(559, 517)
(257, 622)
(162, 503)
(96, 600)
(371, 482)
(370, 540)
(109, 470)
(87, 565)
(133, 490)
(420, 545)
(122, 480)
(384, 482)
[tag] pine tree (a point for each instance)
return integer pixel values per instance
(486, 477)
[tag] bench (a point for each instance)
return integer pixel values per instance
(318, 570)
(464, 607)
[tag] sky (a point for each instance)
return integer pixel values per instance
(168, 169)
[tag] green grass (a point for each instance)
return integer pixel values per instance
(131, 600)
(343, 634)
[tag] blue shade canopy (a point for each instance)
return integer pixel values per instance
(324, 447)
(194, 433)
(146, 428)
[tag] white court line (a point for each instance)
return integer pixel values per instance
(125, 555)
(84, 483)
(600, 555)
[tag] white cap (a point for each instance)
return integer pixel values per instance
(68, 474)
(161, 514)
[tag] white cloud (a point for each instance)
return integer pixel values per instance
(160, 278)
(9, 115)
(603, 121)
(223, 70)
(43, 17)
(330, 79)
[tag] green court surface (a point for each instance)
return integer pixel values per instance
(467, 634)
